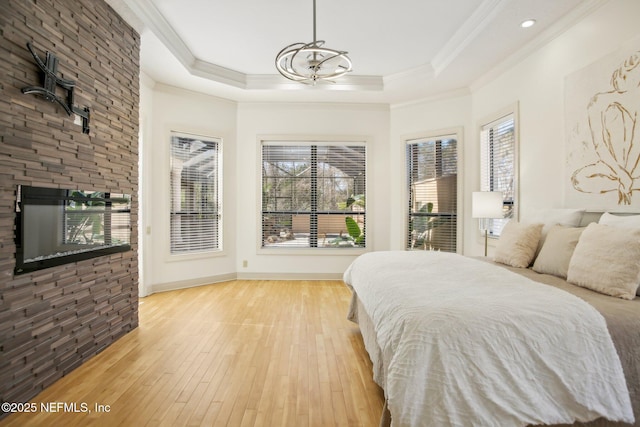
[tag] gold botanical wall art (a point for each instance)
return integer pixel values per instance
(602, 103)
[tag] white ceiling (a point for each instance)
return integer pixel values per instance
(402, 50)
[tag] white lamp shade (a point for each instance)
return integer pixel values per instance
(486, 204)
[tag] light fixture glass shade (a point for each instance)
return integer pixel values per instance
(312, 62)
(486, 204)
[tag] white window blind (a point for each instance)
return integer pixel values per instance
(432, 170)
(498, 166)
(313, 195)
(195, 194)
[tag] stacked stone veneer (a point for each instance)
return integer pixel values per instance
(52, 320)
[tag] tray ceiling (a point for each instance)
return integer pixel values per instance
(402, 50)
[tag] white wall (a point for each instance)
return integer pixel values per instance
(535, 83)
(256, 120)
(436, 117)
(144, 165)
(183, 111)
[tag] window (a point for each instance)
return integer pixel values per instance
(195, 194)
(498, 166)
(432, 170)
(313, 195)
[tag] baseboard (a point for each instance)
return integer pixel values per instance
(182, 284)
(290, 276)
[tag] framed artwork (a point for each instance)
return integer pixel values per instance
(602, 117)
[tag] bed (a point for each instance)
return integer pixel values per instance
(460, 341)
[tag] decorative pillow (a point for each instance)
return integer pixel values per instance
(517, 244)
(626, 221)
(551, 217)
(607, 260)
(555, 255)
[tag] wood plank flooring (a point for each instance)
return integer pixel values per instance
(240, 353)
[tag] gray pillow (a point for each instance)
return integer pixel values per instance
(556, 252)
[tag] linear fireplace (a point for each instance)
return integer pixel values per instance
(57, 226)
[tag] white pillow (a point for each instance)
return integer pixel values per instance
(517, 244)
(626, 221)
(607, 260)
(551, 217)
(555, 255)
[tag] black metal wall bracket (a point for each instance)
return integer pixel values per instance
(50, 81)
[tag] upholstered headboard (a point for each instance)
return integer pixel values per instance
(590, 216)
(593, 216)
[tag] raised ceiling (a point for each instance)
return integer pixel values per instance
(402, 51)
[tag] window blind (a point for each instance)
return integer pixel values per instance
(432, 168)
(498, 166)
(195, 194)
(313, 195)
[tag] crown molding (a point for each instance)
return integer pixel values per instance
(481, 17)
(424, 71)
(147, 12)
(348, 82)
(452, 94)
(217, 73)
(554, 31)
(143, 13)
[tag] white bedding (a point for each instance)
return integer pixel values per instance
(464, 343)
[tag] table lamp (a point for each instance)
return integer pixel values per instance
(486, 205)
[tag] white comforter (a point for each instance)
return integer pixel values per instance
(467, 343)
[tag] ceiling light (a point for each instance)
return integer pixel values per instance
(528, 23)
(311, 62)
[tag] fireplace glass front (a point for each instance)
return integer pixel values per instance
(57, 226)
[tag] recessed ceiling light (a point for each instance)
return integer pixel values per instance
(528, 23)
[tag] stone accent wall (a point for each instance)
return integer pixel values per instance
(53, 320)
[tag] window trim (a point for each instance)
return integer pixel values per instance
(512, 109)
(458, 134)
(311, 139)
(203, 254)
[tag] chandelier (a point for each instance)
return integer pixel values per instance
(309, 63)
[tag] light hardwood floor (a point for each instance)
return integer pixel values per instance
(241, 353)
